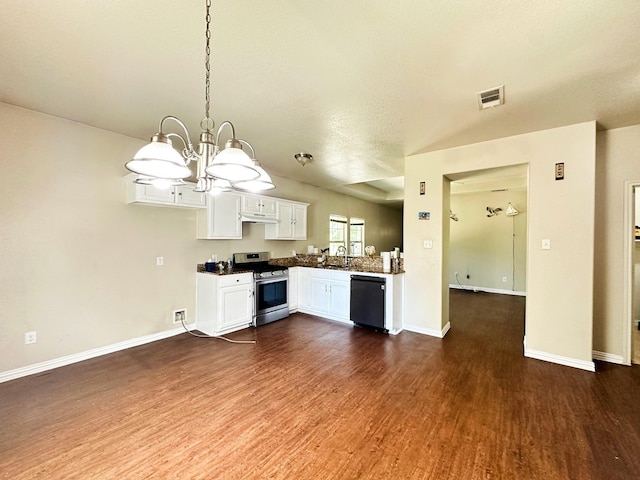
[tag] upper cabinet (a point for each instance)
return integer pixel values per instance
(292, 222)
(259, 206)
(182, 196)
(222, 218)
(225, 212)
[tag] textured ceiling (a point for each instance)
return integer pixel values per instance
(359, 83)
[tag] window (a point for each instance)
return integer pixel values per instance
(356, 236)
(351, 238)
(337, 233)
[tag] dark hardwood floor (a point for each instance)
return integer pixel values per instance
(314, 399)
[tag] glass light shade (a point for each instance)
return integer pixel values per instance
(234, 165)
(213, 185)
(219, 185)
(159, 160)
(260, 184)
(159, 182)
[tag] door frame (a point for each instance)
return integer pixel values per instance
(629, 267)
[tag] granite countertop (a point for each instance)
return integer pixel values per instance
(353, 269)
(226, 271)
(358, 264)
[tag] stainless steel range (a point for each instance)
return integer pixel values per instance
(269, 286)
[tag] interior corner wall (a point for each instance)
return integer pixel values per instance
(559, 310)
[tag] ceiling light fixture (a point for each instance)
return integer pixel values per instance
(303, 158)
(260, 184)
(217, 168)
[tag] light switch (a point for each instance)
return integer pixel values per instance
(159, 261)
(428, 244)
(546, 244)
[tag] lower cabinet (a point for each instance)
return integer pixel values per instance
(340, 296)
(292, 293)
(224, 303)
(324, 292)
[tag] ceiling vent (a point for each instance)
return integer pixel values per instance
(491, 98)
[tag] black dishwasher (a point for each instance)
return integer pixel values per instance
(367, 301)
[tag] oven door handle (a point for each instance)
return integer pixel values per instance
(279, 278)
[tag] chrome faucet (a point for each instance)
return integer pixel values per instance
(342, 250)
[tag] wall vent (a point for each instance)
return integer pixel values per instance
(491, 97)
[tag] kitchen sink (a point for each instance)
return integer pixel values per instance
(335, 267)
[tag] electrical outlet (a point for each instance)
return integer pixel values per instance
(505, 279)
(30, 337)
(159, 261)
(180, 316)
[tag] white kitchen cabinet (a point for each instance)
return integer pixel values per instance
(292, 222)
(292, 290)
(340, 295)
(303, 288)
(221, 219)
(325, 293)
(181, 196)
(224, 303)
(258, 205)
(319, 292)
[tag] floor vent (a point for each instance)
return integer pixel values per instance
(491, 98)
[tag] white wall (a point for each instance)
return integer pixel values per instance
(618, 161)
(78, 263)
(483, 247)
(559, 310)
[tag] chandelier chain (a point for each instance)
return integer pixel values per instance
(207, 89)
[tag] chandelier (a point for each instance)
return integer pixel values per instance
(218, 168)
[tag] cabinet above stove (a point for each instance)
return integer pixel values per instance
(225, 213)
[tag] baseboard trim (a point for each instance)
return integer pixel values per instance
(488, 290)
(608, 357)
(86, 355)
(566, 361)
(428, 331)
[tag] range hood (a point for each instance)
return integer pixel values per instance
(253, 218)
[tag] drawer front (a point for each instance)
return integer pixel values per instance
(235, 279)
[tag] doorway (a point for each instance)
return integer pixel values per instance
(488, 230)
(487, 236)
